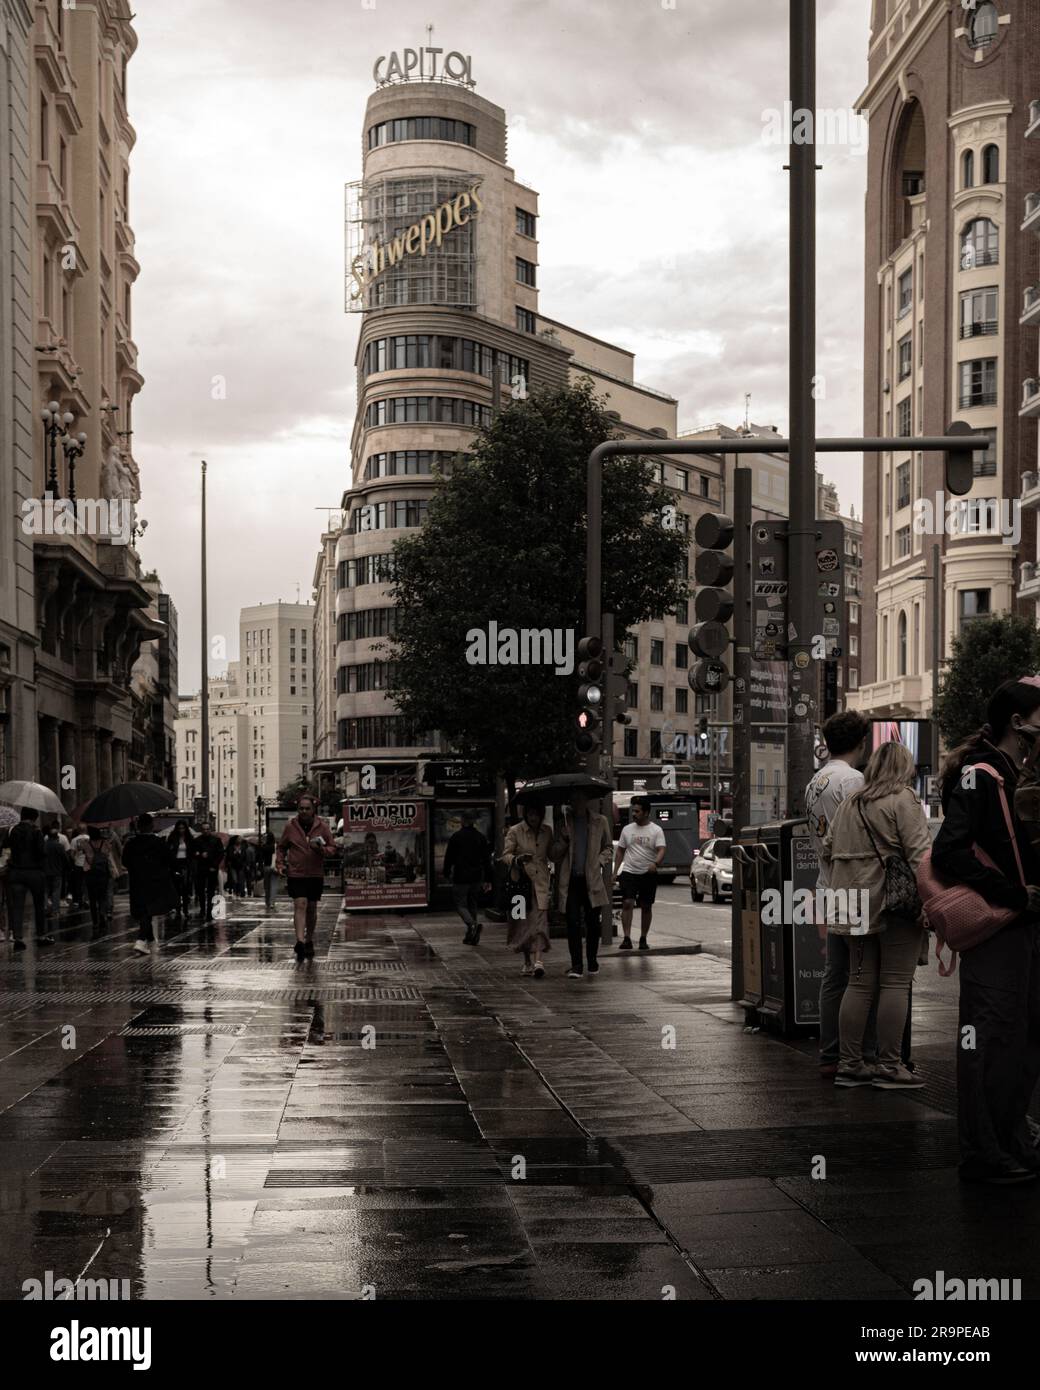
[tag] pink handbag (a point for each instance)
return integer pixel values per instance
(961, 917)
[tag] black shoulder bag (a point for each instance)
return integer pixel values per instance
(902, 899)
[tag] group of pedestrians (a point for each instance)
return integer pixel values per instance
(872, 836)
(581, 847)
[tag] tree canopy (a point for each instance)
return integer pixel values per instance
(986, 652)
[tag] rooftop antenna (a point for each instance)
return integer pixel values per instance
(747, 412)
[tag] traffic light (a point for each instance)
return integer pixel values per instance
(960, 463)
(587, 737)
(702, 726)
(713, 605)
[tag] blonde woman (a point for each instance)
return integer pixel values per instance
(884, 819)
(526, 852)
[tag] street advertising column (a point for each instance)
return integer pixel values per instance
(384, 853)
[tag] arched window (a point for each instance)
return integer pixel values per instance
(901, 639)
(980, 244)
(983, 28)
(968, 169)
(991, 164)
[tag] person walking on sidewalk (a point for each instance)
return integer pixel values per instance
(99, 872)
(152, 890)
(181, 849)
(882, 821)
(1000, 977)
(846, 736)
(526, 855)
(208, 853)
(25, 875)
(305, 844)
(585, 847)
(54, 867)
(268, 849)
(640, 853)
(77, 875)
(467, 867)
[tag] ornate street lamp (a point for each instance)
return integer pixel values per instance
(55, 424)
(74, 446)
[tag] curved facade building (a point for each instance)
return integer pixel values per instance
(443, 266)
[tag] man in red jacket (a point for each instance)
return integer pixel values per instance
(302, 850)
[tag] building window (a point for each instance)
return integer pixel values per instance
(853, 612)
(906, 356)
(682, 656)
(903, 542)
(901, 645)
(991, 164)
(525, 222)
(968, 169)
(398, 463)
(656, 698)
(853, 645)
(525, 271)
(682, 611)
(631, 743)
(903, 485)
(631, 648)
(979, 312)
(984, 461)
(903, 420)
(906, 292)
(366, 622)
(655, 743)
(421, 128)
(632, 696)
(407, 410)
(524, 320)
(656, 652)
(973, 603)
(982, 30)
(978, 382)
(44, 130)
(980, 244)
(682, 701)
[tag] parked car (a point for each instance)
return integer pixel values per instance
(712, 870)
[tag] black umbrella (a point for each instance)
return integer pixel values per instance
(557, 790)
(124, 802)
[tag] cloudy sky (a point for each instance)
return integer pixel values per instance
(663, 228)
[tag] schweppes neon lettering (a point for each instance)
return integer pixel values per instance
(430, 230)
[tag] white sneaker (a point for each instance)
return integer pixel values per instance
(145, 947)
(526, 970)
(574, 974)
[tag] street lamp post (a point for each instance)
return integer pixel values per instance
(74, 446)
(55, 425)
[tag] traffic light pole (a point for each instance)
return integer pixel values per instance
(802, 674)
(743, 627)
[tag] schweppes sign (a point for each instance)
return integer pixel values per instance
(430, 230)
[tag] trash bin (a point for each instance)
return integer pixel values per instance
(792, 949)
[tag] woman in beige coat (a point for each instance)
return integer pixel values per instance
(883, 818)
(526, 851)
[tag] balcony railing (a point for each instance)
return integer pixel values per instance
(1031, 305)
(1030, 397)
(975, 398)
(981, 328)
(1033, 127)
(1032, 216)
(972, 259)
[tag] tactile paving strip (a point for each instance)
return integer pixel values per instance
(155, 1030)
(142, 995)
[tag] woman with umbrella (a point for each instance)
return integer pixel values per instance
(526, 853)
(152, 893)
(100, 870)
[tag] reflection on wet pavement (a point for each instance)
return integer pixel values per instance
(405, 1117)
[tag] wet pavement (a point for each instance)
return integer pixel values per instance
(408, 1117)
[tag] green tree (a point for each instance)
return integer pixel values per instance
(288, 795)
(505, 542)
(987, 652)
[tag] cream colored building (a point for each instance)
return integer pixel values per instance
(91, 603)
(261, 716)
(18, 741)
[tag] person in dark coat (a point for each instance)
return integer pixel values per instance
(209, 851)
(467, 867)
(181, 848)
(998, 1046)
(152, 890)
(25, 875)
(268, 849)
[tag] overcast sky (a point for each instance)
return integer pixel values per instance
(663, 228)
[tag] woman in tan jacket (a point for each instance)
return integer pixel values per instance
(883, 818)
(526, 852)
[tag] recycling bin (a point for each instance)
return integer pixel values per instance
(792, 948)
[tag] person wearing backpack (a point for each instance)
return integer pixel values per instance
(876, 840)
(998, 1049)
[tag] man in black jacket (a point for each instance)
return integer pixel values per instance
(25, 874)
(467, 867)
(208, 851)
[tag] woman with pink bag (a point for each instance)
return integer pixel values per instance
(998, 1045)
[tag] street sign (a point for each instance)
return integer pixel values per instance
(829, 589)
(769, 590)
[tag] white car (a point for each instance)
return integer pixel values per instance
(712, 870)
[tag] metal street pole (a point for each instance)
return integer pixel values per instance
(743, 627)
(205, 655)
(937, 627)
(802, 405)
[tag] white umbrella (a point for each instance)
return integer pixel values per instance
(8, 817)
(33, 794)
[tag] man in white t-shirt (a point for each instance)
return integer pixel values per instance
(846, 736)
(640, 853)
